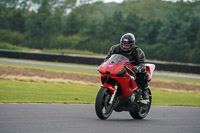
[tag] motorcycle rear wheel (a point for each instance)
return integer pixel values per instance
(142, 110)
(102, 107)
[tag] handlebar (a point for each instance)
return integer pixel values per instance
(132, 75)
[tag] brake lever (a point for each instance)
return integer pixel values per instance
(132, 77)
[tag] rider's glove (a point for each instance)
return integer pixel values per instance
(135, 69)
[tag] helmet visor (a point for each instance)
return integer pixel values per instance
(126, 46)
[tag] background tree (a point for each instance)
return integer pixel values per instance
(165, 30)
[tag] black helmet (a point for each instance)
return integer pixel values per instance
(128, 40)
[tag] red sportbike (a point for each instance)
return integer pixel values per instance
(119, 91)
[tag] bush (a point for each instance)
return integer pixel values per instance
(5, 45)
(12, 37)
(61, 41)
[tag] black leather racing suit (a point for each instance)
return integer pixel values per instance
(136, 57)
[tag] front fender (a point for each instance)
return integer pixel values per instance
(110, 87)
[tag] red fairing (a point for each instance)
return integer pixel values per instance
(111, 87)
(127, 85)
(111, 70)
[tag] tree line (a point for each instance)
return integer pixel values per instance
(164, 30)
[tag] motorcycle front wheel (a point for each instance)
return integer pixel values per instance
(142, 110)
(102, 107)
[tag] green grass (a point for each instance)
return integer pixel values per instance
(31, 92)
(179, 73)
(70, 51)
(8, 46)
(177, 80)
(175, 98)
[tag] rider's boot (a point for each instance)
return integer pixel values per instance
(145, 93)
(144, 85)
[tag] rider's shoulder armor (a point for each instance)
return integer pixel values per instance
(135, 55)
(115, 49)
(140, 54)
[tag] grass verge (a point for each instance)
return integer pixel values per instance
(177, 80)
(161, 97)
(31, 92)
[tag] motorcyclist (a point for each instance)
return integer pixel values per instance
(136, 56)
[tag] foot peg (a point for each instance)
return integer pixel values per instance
(145, 101)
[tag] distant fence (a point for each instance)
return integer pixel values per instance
(80, 59)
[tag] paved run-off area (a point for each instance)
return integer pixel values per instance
(75, 118)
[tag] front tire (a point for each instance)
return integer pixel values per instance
(142, 110)
(102, 107)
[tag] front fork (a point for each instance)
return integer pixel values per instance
(113, 95)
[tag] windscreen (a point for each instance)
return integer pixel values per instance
(117, 58)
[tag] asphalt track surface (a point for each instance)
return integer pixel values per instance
(75, 118)
(90, 68)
